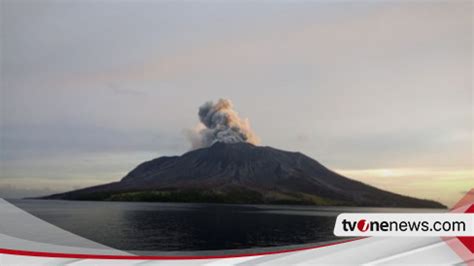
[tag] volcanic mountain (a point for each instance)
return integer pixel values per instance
(242, 173)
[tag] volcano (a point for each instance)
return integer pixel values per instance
(242, 173)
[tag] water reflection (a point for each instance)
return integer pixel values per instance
(181, 226)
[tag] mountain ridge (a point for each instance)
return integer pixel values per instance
(242, 173)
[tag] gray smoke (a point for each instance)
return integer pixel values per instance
(221, 123)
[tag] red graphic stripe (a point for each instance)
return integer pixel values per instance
(132, 257)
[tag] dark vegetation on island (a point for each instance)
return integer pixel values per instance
(245, 174)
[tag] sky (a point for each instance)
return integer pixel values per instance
(380, 91)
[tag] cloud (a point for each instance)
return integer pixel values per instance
(221, 123)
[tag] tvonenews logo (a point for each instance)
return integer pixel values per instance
(404, 224)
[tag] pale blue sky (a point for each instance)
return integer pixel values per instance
(89, 89)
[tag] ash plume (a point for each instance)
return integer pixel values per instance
(220, 123)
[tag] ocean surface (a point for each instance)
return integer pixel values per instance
(141, 226)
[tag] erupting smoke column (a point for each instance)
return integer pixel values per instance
(221, 123)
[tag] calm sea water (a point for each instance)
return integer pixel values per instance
(190, 227)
